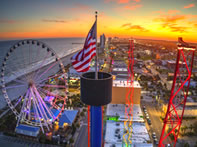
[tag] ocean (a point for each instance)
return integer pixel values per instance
(63, 47)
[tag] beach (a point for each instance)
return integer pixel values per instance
(65, 58)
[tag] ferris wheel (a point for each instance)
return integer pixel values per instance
(34, 85)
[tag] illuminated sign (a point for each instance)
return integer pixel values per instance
(115, 118)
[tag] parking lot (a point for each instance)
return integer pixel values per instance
(8, 141)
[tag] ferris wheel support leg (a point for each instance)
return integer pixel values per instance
(35, 109)
(39, 105)
(40, 102)
(48, 110)
(22, 109)
(29, 108)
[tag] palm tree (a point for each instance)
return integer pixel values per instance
(191, 127)
(195, 144)
(186, 128)
(183, 129)
(186, 144)
(195, 128)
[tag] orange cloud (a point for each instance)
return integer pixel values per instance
(117, 1)
(170, 22)
(170, 19)
(189, 6)
(53, 20)
(173, 11)
(133, 7)
(129, 26)
(137, 0)
(175, 28)
(123, 1)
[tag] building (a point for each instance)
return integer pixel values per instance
(171, 64)
(119, 64)
(120, 73)
(115, 129)
(119, 91)
(190, 109)
(117, 112)
(27, 130)
(102, 41)
(119, 132)
(148, 52)
(67, 118)
(109, 39)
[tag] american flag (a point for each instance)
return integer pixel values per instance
(81, 60)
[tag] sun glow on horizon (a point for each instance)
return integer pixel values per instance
(138, 19)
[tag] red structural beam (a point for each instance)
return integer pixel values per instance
(179, 93)
(129, 96)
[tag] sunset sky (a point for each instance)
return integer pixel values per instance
(154, 19)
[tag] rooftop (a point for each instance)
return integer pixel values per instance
(55, 112)
(120, 69)
(133, 145)
(68, 116)
(28, 128)
(124, 83)
(119, 110)
(115, 132)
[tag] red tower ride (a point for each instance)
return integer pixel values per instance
(127, 137)
(179, 93)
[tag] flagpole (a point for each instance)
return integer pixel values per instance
(96, 58)
(96, 111)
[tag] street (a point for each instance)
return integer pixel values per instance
(163, 79)
(9, 141)
(82, 139)
(157, 124)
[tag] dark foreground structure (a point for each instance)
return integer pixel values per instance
(96, 93)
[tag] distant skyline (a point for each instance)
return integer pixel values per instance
(151, 19)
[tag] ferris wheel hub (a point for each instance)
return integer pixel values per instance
(31, 83)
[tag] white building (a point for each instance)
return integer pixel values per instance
(116, 132)
(102, 41)
(27, 130)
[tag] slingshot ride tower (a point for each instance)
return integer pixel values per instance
(179, 93)
(127, 137)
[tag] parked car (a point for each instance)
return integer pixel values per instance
(147, 117)
(149, 121)
(156, 143)
(155, 140)
(153, 135)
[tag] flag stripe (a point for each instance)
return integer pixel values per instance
(91, 49)
(81, 60)
(78, 63)
(85, 61)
